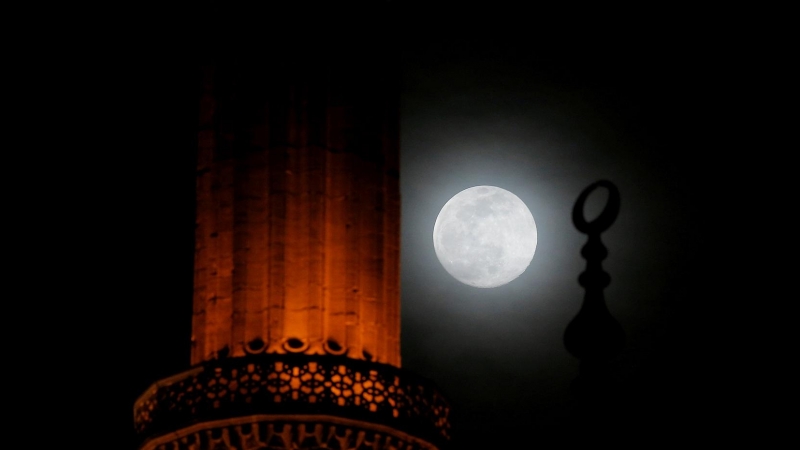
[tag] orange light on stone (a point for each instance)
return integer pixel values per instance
(296, 308)
(297, 238)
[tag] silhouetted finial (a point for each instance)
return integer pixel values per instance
(594, 335)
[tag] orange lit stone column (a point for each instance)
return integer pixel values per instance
(296, 308)
(297, 214)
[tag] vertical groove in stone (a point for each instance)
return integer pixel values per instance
(262, 136)
(204, 216)
(377, 333)
(353, 271)
(368, 255)
(315, 185)
(390, 136)
(278, 191)
(293, 295)
(277, 260)
(392, 277)
(241, 243)
(255, 259)
(299, 223)
(317, 95)
(337, 190)
(316, 236)
(389, 246)
(223, 305)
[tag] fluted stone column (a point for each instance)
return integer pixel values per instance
(296, 318)
(298, 211)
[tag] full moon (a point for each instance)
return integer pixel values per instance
(485, 236)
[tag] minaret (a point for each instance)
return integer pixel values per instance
(296, 318)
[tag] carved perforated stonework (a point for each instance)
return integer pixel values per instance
(295, 384)
(281, 435)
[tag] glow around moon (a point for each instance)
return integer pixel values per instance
(485, 236)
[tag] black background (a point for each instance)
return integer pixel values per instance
(681, 102)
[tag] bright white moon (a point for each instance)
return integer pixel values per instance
(485, 236)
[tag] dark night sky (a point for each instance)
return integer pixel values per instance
(542, 109)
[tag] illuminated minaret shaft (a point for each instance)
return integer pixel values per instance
(296, 308)
(298, 210)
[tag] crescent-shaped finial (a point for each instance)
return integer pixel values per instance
(606, 218)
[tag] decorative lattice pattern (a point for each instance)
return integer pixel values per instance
(295, 384)
(288, 436)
